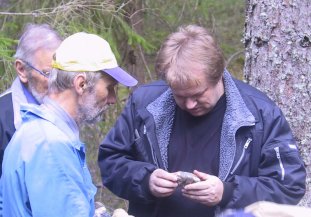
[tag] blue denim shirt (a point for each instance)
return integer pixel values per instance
(45, 171)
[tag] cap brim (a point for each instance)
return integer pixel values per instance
(121, 76)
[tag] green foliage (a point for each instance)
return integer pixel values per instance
(6, 53)
(225, 18)
(134, 38)
(6, 45)
(93, 16)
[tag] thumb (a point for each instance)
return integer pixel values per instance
(202, 176)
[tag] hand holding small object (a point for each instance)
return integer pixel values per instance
(185, 178)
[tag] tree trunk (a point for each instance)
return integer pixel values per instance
(278, 61)
(135, 56)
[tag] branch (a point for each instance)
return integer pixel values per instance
(19, 14)
(144, 61)
(69, 6)
(233, 56)
(182, 11)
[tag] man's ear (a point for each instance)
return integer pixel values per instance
(80, 83)
(21, 71)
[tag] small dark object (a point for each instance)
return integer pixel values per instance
(305, 42)
(185, 178)
(259, 41)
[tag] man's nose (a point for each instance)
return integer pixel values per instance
(112, 98)
(190, 103)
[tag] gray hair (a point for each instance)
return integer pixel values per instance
(34, 38)
(60, 80)
(191, 45)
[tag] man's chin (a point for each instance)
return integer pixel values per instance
(95, 120)
(197, 113)
(39, 97)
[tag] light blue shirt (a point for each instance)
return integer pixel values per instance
(45, 172)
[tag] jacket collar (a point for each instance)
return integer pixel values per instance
(163, 110)
(237, 115)
(20, 95)
(51, 112)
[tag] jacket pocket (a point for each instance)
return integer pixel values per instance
(246, 145)
(144, 150)
(278, 156)
(281, 160)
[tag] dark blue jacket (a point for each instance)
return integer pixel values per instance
(258, 153)
(7, 127)
(10, 117)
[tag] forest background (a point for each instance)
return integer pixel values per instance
(135, 30)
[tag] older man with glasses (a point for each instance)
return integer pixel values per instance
(33, 59)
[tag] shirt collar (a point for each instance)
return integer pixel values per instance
(62, 114)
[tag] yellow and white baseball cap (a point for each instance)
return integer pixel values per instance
(84, 52)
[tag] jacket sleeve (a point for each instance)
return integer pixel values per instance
(7, 128)
(122, 170)
(280, 174)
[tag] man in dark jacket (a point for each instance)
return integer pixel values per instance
(33, 60)
(232, 139)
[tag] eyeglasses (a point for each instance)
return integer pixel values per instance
(44, 73)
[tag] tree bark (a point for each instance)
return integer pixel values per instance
(278, 62)
(135, 55)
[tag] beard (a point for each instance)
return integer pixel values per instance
(32, 89)
(89, 112)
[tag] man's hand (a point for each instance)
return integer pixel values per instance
(120, 213)
(209, 191)
(162, 183)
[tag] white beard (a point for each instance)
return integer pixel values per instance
(89, 112)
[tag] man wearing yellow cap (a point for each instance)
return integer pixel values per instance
(45, 167)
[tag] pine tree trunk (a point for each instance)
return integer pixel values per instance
(278, 62)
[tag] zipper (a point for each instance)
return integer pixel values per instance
(248, 141)
(154, 158)
(278, 156)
